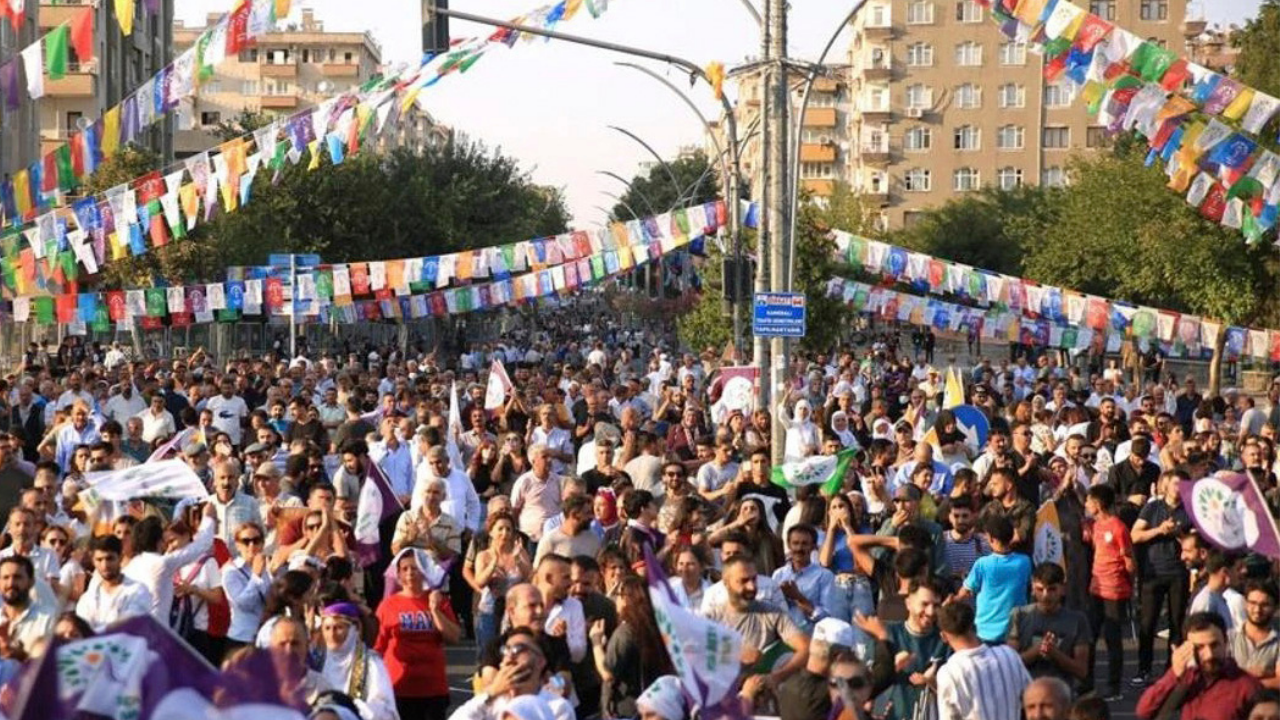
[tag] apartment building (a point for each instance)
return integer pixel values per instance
(119, 67)
(19, 130)
(825, 152)
(944, 104)
(1211, 46)
(296, 67)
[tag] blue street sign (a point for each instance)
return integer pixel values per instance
(973, 424)
(778, 315)
(281, 260)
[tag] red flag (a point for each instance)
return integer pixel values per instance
(49, 177)
(115, 305)
(150, 187)
(82, 35)
(238, 28)
(359, 279)
(15, 17)
(159, 235)
(275, 293)
(77, 155)
(66, 305)
(1215, 203)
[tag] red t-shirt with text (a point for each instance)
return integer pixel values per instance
(412, 647)
(1112, 548)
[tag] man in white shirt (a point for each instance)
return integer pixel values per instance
(24, 530)
(461, 501)
(564, 614)
(558, 441)
(157, 423)
(75, 391)
(517, 688)
(29, 621)
(124, 404)
(154, 570)
(979, 680)
(229, 410)
(395, 460)
(112, 597)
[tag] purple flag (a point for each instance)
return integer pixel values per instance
(9, 84)
(705, 654)
(132, 668)
(376, 505)
(1229, 510)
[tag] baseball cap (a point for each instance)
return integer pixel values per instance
(195, 449)
(833, 631)
(256, 448)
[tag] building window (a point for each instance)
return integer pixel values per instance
(968, 97)
(917, 180)
(920, 12)
(1057, 138)
(1013, 53)
(917, 139)
(879, 16)
(877, 99)
(1059, 95)
(968, 54)
(1105, 9)
(968, 11)
(1096, 136)
(1054, 176)
(919, 96)
(967, 137)
(878, 183)
(965, 179)
(1009, 177)
(210, 117)
(249, 87)
(213, 87)
(1011, 137)
(814, 135)
(73, 122)
(920, 54)
(306, 55)
(1013, 95)
(1154, 10)
(278, 57)
(817, 171)
(347, 58)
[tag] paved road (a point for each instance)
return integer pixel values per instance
(461, 665)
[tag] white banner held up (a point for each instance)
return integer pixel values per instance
(171, 479)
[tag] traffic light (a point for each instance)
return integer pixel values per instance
(435, 27)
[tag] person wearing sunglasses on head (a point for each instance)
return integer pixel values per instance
(517, 689)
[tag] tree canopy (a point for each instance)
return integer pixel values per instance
(1258, 64)
(655, 192)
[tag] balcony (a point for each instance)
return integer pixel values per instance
(880, 71)
(820, 117)
(878, 29)
(876, 113)
(279, 71)
(77, 83)
(51, 15)
(278, 102)
(876, 195)
(826, 84)
(875, 154)
(340, 70)
(821, 188)
(817, 152)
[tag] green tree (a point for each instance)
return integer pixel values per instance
(989, 229)
(1122, 234)
(655, 192)
(1258, 64)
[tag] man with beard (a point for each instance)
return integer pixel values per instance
(1203, 681)
(908, 653)
(29, 622)
(1052, 639)
(962, 545)
(1255, 645)
(761, 625)
(1005, 502)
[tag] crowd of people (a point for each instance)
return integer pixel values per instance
(533, 529)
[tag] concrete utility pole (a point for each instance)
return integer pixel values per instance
(764, 236)
(777, 160)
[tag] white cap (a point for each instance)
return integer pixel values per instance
(834, 632)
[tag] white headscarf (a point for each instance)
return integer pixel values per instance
(339, 663)
(433, 573)
(664, 697)
(847, 438)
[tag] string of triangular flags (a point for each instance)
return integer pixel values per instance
(157, 207)
(1188, 113)
(406, 288)
(34, 191)
(1004, 307)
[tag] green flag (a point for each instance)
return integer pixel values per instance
(66, 173)
(101, 318)
(825, 470)
(56, 51)
(44, 310)
(157, 303)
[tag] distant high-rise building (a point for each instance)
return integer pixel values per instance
(119, 67)
(944, 104)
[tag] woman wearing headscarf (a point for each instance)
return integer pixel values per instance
(803, 435)
(663, 700)
(415, 622)
(840, 426)
(352, 666)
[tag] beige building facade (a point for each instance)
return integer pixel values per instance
(296, 67)
(945, 104)
(119, 67)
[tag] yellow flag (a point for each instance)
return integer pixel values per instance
(1048, 537)
(111, 131)
(314, 147)
(571, 8)
(282, 8)
(118, 249)
(189, 196)
(1240, 105)
(953, 394)
(124, 16)
(22, 192)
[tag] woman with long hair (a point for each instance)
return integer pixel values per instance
(415, 622)
(839, 555)
(290, 596)
(197, 585)
(749, 517)
(634, 656)
(505, 563)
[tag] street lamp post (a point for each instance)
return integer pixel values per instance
(630, 188)
(666, 167)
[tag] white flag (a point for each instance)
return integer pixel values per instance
(171, 479)
(496, 391)
(454, 430)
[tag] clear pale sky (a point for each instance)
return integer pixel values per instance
(550, 105)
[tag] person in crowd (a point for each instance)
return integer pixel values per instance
(110, 596)
(979, 680)
(1203, 681)
(998, 582)
(633, 656)
(1255, 644)
(1111, 584)
(1164, 580)
(1046, 698)
(246, 582)
(1053, 640)
(352, 666)
(499, 567)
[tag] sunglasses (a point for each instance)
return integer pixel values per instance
(857, 682)
(55, 541)
(255, 540)
(516, 649)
